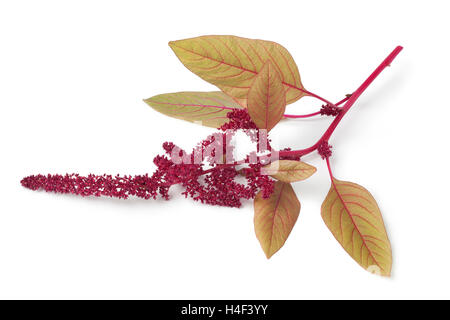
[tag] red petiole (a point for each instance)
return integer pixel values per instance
(293, 116)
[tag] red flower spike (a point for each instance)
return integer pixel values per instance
(218, 188)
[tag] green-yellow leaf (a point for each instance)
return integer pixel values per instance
(231, 63)
(353, 217)
(206, 108)
(289, 170)
(275, 217)
(266, 98)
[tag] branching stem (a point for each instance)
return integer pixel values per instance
(349, 100)
(349, 103)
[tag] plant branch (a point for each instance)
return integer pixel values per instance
(294, 116)
(349, 103)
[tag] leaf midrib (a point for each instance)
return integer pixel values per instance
(194, 105)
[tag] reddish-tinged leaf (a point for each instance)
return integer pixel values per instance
(266, 98)
(353, 216)
(231, 63)
(206, 108)
(275, 217)
(289, 170)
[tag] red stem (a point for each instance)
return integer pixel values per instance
(329, 168)
(293, 116)
(315, 113)
(343, 100)
(351, 100)
(318, 97)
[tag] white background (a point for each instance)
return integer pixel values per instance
(72, 78)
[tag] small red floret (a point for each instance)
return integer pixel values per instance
(324, 149)
(329, 110)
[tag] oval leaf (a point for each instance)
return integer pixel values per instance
(289, 170)
(266, 98)
(231, 63)
(353, 217)
(275, 217)
(206, 108)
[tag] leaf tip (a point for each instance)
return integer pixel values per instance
(269, 252)
(172, 45)
(148, 101)
(376, 270)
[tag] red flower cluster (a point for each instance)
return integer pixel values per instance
(324, 149)
(239, 119)
(216, 185)
(329, 110)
